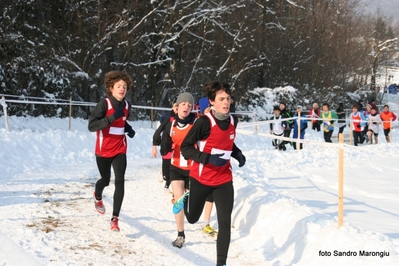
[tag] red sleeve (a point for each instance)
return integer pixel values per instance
(393, 117)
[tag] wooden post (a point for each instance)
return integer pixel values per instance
(152, 115)
(4, 104)
(341, 181)
(70, 113)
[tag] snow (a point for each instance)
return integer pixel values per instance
(285, 210)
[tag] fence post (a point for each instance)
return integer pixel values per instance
(256, 127)
(70, 112)
(152, 115)
(341, 181)
(4, 104)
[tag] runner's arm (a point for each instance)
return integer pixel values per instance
(98, 120)
(200, 131)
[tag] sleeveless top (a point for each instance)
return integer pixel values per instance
(111, 140)
(219, 141)
(178, 134)
(356, 120)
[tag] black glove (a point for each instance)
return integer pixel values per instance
(119, 113)
(358, 126)
(241, 159)
(216, 160)
(332, 121)
(375, 123)
(131, 133)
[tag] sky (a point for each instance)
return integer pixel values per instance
(285, 208)
(389, 8)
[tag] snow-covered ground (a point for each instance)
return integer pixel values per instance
(285, 210)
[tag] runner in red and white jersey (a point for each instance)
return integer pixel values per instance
(210, 145)
(108, 120)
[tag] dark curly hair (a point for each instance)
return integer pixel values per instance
(114, 76)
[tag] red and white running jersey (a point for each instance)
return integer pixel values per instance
(356, 120)
(219, 142)
(111, 140)
(178, 134)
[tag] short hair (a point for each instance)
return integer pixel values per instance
(213, 87)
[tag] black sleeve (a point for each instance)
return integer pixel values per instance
(235, 151)
(271, 124)
(156, 138)
(98, 120)
(128, 127)
(289, 115)
(200, 131)
(166, 142)
(235, 121)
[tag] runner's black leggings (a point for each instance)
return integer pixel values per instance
(358, 137)
(166, 170)
(223, 196)
(327, 136)
(287, 134)
(104, 166)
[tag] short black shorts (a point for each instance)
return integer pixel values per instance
(372, 132)
(387, 131)
(179, 174)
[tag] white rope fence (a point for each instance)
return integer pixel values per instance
(64, 102)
